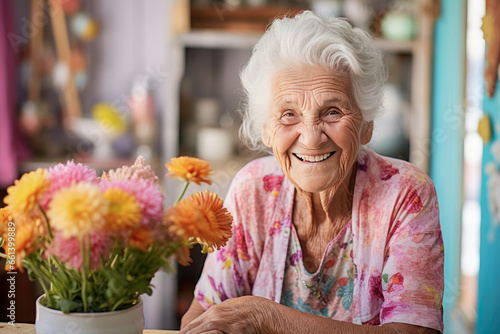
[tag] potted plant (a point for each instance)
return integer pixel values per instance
(95, 243)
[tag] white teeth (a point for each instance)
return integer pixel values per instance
(314, 158)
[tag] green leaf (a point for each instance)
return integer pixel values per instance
(67, 306)
(385, 277)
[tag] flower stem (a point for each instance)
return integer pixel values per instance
(182, 192)
(51, 236)
(89, 249)
(84, 274)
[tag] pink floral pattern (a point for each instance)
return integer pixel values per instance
(397, 248)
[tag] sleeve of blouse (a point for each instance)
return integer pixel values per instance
(228, 272)
(412, 279)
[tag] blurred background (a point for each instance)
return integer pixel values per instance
(102, 81)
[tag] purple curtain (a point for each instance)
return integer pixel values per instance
(12, 147)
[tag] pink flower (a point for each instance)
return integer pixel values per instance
(138, 171)
(387, 171)
(272, 183)
(395, 283)
(375, 283)
(61, 176)
(147, 194)
(414, 203)
(68, 249)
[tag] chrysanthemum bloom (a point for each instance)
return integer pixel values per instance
(78, 209)
(138, 171)
(123, 211)
(190, 169)
(141, 238)
(212, 229)
(24, 196)
(68, 249)
(61, 176)
(147, 195)
(27, 240)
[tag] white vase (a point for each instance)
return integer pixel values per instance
(128, 321)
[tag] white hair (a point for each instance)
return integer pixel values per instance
(308, 39)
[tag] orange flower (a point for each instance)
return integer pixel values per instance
(141, 238)
(4, 220)
(26, 240)
(183, 256)
(185, 220)
(190, 169)
(202, 216)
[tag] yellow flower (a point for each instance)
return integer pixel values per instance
(123, 212)
(24, 196)
(109, 117)
(202, 216)
(78, 209)
(190, 169)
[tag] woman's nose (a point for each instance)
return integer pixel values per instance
(312, 136)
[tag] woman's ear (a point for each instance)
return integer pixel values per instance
(366, 132)
(266, 138)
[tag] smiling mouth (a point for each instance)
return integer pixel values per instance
(314, 158)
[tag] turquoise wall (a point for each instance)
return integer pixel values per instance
(488, 318)
(446, 166)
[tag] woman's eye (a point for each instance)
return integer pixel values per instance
(289, 117)
(287, 114)
(333, 115)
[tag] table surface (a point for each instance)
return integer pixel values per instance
(30, 329)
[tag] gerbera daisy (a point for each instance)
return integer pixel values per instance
(217, 217)
(123, 211)
(24, 196)
(65, 175)
(212, 229)
(190, 169)
(185, 220)
(78, 209)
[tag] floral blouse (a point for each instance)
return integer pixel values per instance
(397, 248)
(329, 290)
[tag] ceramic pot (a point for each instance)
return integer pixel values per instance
(50, 321)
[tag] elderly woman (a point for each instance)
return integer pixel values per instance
(327, 235)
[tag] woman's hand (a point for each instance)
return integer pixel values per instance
(248, 314)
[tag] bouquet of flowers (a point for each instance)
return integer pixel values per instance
(95, 243)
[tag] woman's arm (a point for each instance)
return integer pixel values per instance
(194, 311)
(252, 314)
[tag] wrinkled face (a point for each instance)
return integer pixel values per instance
(314, 127)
